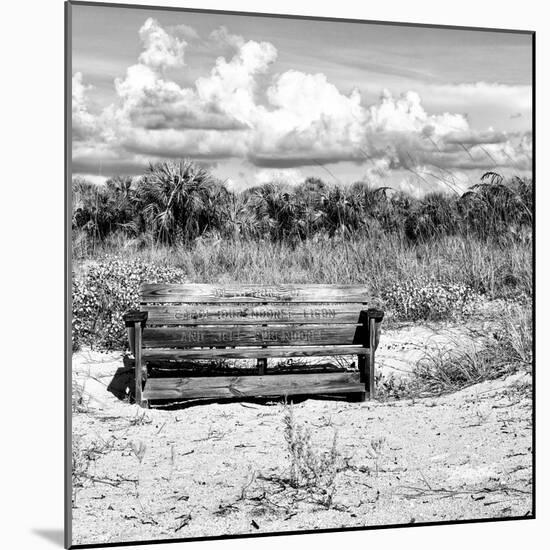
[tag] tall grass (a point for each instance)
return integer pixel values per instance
(177, 214)
(478, 358)
(486, 266)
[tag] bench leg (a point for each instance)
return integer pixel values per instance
(359, 397)
(138, 365)
(372, 348)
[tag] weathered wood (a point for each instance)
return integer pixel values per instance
(213, 368)
(251, 386)
(202, 293)
(138, 365)
(252, 353)
(377, 315)
(131, 332)
(362, 366)
(133, 316)
(247, 314)
(372, 348)
(246, 335)
(252, 321)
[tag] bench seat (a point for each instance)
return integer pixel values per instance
(268, 385)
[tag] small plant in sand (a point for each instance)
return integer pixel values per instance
(80, 399)
(140, 418)
(520, 389)
(390, 387)
(79, 468)
(310, 468)
(84, 453)
(375, 450)
(139, 449)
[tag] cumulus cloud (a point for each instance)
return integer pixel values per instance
(83, 122)
(224, 100)
(161, 50)
(307, 118)
(279, 122)
(231, 86)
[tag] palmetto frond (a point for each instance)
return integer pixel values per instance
(175, 195)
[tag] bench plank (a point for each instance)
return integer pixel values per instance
(202, 293)
(250, 386)
(252, 353)
(246, 335)
(247, 314)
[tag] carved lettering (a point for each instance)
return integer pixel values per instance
(319, 313)
(252, 314)
(196, 337)
(255, 293)
(290, 335)
(192, 336)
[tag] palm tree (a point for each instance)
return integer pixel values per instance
(275, 210)
(174, 199)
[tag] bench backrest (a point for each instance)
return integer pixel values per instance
(201, 315)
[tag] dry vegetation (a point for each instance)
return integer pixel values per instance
(460, 262)
(433, 258)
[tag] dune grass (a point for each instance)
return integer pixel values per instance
(480, 357)
(492, 268)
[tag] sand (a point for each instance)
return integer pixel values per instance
(223, 468)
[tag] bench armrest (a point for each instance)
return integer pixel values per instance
(365, 318)
(135, 316)
(130, 319)
(372, 313)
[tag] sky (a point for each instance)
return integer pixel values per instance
(259, 99)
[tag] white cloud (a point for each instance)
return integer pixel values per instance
(307, 117)
(281, 121)
(83, 122)
(224, 100)
(289, 176)
(231, 86)
(161, 50)
(93, 178)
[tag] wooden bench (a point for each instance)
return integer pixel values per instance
(190, 322)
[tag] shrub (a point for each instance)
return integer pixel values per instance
(430, 301)
(105, 291)
(309, 468)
